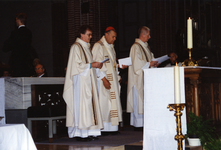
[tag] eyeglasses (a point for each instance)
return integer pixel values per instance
(38, 68)
(89, 34)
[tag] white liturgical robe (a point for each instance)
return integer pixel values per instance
(80, 93)
(141, 56)
(109, 99)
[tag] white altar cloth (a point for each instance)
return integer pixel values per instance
(159, 121)
(15, 137)
(2, 100)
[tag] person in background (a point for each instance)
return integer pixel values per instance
(19, 43)
(6, 73)
(173, 60)
(40, 71)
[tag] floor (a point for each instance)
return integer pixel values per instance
(81, 147)
(126, 140)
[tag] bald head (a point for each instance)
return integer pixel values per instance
(144, 34)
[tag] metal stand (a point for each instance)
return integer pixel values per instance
(178, 108)
(190, 61)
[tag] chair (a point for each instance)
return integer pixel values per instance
(47, 104)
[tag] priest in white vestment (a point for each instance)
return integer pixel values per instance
(80, 90)
(141, 58)
(108, 81)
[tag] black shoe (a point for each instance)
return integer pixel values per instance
(83, 139)
(104, 133)
(110, 133)
(115, 133)
(138, 128)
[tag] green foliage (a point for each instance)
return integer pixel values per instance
(201, 128)
(213, 144)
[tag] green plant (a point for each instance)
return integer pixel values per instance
(200, 128)
(213, 144)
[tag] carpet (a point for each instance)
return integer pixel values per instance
(125, 137)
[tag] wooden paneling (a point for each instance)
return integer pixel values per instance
(59, 37)
(164, 27)
(96, 17)
(132, 16)
(203, 93)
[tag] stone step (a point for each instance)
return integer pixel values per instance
(136, 146)
(187, 147)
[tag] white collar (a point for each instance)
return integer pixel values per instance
(87, 45)
(21, 26)
(145, 44)
(41, 75)
(105, 42)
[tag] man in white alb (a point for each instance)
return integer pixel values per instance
(80, 90)
(108, 82)
(141, 58)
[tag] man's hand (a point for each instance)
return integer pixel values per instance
(154, 63)
(157, 64)
(124, 66)
(120, 80)
(96, 65)
(106, 83)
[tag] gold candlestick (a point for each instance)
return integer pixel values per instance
(179, 137)
(190, 61)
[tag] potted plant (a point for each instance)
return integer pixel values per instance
(213, 144)
(199, 130)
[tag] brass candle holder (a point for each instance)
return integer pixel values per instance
(190, 61)
(179, 137)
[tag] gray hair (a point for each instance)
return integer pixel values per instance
(143, 29)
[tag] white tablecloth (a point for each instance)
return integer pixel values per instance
(159, 122)
(15, 137)
(2, 100)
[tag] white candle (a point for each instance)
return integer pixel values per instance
(177, 85)
(189, 33)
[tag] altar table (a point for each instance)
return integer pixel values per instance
(159, 121)
(15, 137)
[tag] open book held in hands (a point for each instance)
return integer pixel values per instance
(161, 59)
(125, 61)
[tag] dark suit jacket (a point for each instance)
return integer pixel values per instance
(19, 43)
(45, 75)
